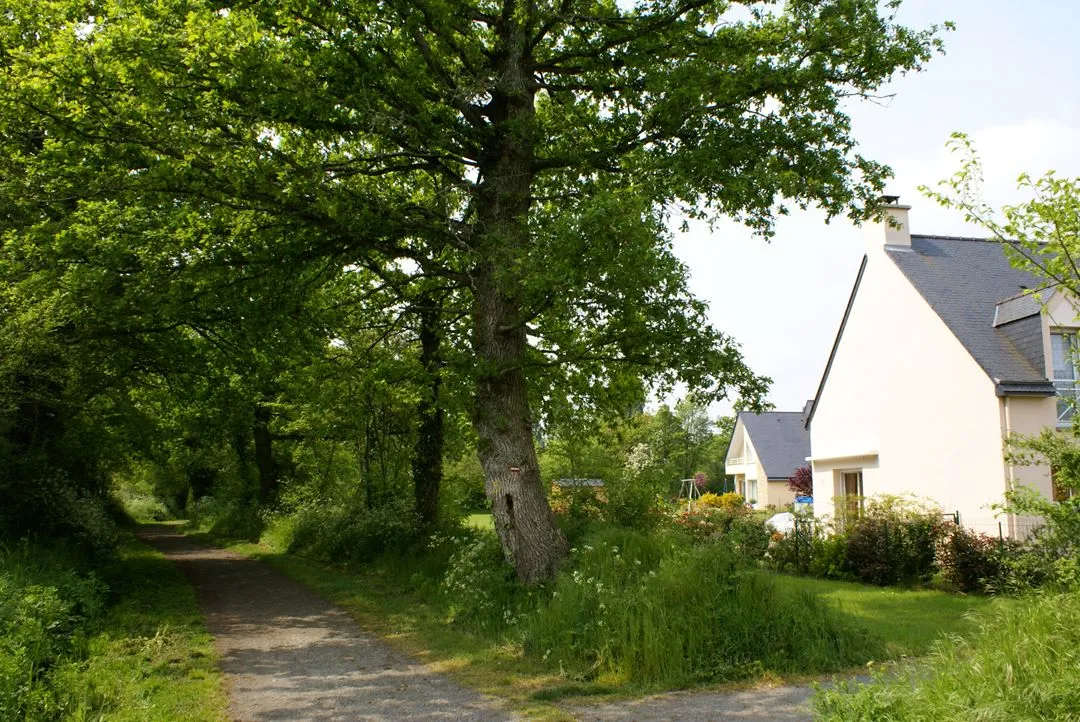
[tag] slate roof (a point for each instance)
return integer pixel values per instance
(971, 286)
(781, 441)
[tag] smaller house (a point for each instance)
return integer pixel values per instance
(764, 452)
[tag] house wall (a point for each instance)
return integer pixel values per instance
(778, 495)
(1025, 415)
(907, 405)
(752, 472)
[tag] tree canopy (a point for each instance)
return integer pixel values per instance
(520, 159)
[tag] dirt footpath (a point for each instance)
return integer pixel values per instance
(288, 654)
(775, 704)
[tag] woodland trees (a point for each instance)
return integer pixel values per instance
(502, 171)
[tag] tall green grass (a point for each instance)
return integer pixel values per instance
(1023, 663)
(652, 610)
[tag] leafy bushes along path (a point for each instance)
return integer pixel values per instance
(123, 643)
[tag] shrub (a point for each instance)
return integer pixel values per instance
(894, 541)
(45, 605)
(51, 505)
(748, 535)
(969, 561)
(228, 518)
(353, 534)
(728, 502)
(651, 609)
(792, 552)
(735, 527)
(479, 588)
(583, 502)
(703, 524)
(1023, 663)
(828, 557)
(633, 505)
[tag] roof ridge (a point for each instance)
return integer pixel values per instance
(958, 238)
(969, 239)
(759, 413)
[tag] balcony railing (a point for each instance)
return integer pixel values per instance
(740, 461)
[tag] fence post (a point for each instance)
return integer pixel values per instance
(1001, 536)
(798, 566)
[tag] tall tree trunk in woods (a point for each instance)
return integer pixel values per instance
(264, 455)
(428, 455)
(530, 538)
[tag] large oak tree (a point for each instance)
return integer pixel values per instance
(530, 153)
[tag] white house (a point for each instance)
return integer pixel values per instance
(764, 451)
(941, 353)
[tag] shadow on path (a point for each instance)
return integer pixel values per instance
(288, 654)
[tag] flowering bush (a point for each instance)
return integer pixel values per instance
(729, 501)
(479, 587)
(705, 523)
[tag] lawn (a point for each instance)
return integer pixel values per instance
(481, 520)
(385, 602)
(908, 620)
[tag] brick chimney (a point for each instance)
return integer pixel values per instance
(892, 235)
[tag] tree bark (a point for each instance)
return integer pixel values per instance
(530, 538)
(428, 454)
(264, 455)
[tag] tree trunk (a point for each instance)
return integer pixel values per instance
(530, 538)
(264, 455)
(428, 454)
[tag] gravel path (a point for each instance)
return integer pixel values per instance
(776, 704)
(288, 654)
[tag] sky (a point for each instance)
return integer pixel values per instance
(1010, 79)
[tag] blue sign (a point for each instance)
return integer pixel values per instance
(804, 500)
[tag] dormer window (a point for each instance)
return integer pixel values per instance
(1063, 346)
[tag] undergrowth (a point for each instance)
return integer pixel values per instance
(652, 610)
(122, 642)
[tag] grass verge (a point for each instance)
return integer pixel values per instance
(141, 655)
(480, 520)
(151, 658)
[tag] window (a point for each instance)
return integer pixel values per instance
(1060, 491)
(849, 496)
(1063, 347)
(751, 491)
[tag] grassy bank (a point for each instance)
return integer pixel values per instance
(124, 642)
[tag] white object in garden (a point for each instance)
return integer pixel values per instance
(783, 522)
